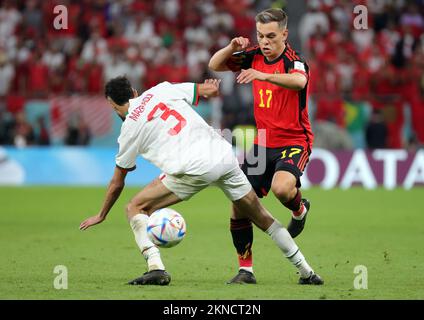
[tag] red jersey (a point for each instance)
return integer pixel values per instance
(282, 112)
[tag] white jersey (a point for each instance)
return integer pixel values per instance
(162, 127)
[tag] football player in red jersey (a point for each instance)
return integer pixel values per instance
(279, 78)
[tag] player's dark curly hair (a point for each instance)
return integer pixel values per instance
(119, 89)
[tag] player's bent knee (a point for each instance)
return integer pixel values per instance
(254, 210)
(129, 210)
(133, 208)
(283, 191)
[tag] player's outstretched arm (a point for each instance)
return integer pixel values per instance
(219, 60)
(293, 81)
(114, 190)
(210, 88)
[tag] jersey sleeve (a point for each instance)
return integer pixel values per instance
(242, 59)
(187, 91)
(299, 66)
(127, 154)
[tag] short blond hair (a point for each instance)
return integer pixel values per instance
(271, 15)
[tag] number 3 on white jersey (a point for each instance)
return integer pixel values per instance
(167, 112)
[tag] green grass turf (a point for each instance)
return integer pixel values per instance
(382, 230)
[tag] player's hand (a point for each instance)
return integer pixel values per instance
(239, 44)
(247, 76)
(91, 222)
(210, 88)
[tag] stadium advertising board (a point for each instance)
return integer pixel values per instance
(327, 169)
(370, 169)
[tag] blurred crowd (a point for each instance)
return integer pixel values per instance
(382, 65)
(149, 41)
(173, 40)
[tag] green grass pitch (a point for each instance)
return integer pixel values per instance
(382, 230)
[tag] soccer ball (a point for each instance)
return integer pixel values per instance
(166, 228)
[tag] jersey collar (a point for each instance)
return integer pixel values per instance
(278, 58)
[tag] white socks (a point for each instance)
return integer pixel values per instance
(277, 232)
(291, 251)
(250, 269)
(150, 252)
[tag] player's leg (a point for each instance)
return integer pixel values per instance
(159, 194)
(257, 213)
(154, 196)
(239, 191)
(242, 233)
(240, 226)
(286, 185)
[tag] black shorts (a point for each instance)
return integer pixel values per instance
(261, 163)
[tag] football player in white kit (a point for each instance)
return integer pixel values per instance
(161, 126)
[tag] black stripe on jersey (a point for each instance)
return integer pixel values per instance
(304, 91)
(302, 94)
(302, 99)
(287, 63)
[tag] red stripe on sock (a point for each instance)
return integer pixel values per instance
(246, 262)
(299, 213)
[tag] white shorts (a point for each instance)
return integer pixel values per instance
(228, 177)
